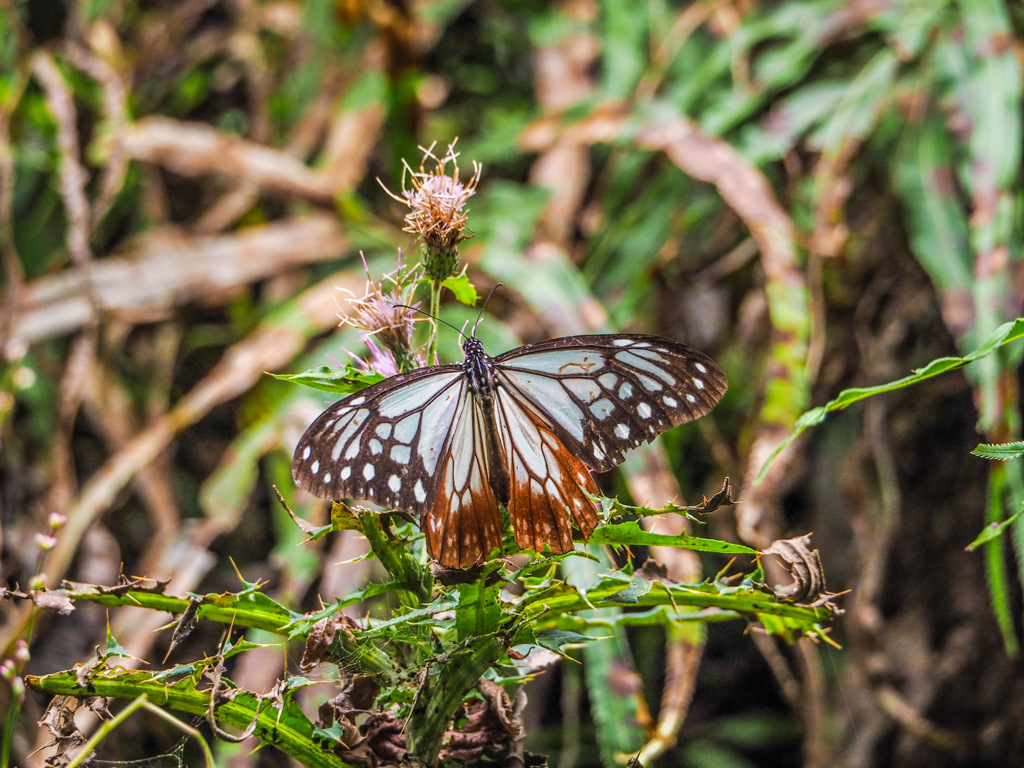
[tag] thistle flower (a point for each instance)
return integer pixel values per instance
(385, 318)
(436, 201)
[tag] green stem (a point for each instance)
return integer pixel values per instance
(10, 721)
(444, 691)
(995, 563)
(237, 612)
(414, 578)
(282, 726)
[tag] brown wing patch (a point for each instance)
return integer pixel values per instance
(463, 525)
(549, 485)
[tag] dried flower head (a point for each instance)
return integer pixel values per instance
(436, 202)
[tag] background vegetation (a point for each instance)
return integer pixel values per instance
(819, 194)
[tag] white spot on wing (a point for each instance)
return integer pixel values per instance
(586, 390)
(700, 367)
(644, 410)
(698, 383)
(405, 430)
(383, 431)
(671, 402)
(621, 431)
(346, 473)
(315, 467)
(602, 408)
(607, 380)
(368, 473)
(648, 383)
(327, 478)
(305, 453)
(622, 342)
(357, 401)
(395, 483)
(626, 390)
(421, 495)
(400, 454)
(376, 447)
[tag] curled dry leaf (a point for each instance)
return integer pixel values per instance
(499, 702)
(723, 498)
(804, 565)
(187, 622)
(52, 601)
(59, 720)
(320, 638)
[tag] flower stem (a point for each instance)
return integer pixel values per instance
(435, 308)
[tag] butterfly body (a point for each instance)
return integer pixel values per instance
(521, 430)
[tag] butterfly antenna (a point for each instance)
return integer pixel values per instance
(435, 317)
(486, 301)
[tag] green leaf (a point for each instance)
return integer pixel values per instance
(556, 639)
(114, 648)
(994, 530)
(478, 611)
(465, 291)
(630, 533)
(1004, 334)
(337, 381)
(1000, 451)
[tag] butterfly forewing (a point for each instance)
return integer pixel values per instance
(603, 395)
(386, 442)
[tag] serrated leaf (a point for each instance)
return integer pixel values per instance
(231, 649)
(1004, 334)
(631, 534)
(1000, 451)
(637, 588)
(337, 381)
(114, 648)
(555, 639)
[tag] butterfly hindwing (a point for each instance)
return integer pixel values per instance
(385, 443)
(549, 485)
(603, 395)
(464, 523)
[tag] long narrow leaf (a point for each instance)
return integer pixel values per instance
(1005, 334)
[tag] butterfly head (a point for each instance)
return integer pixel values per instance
(472, 347)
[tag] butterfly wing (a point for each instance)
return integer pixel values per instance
(384, 443)
(464, 523)
(410, 443)
(570, 403)
(605, 394)
(548, 485)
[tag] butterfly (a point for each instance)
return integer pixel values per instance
(451, 443)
